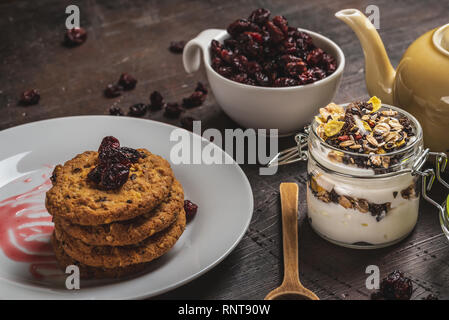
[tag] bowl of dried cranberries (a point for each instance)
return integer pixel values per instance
(266, 74)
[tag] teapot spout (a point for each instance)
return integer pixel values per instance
(379, 73)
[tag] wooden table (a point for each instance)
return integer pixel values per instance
(133, 36)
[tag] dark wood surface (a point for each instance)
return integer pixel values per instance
(133, 36)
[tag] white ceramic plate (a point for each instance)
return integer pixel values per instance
(27, 155)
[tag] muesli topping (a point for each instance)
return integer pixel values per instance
(365, 128)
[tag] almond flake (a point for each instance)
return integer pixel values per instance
(346, 143)
(372, 140)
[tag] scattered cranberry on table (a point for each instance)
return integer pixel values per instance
(113, 90)
(177, 46)
(196, 98)
(30, 97)
(394, 287)
(269, 53)
(137, 110)
(201, 87)
(173, 110)
(156, 101)
(127, 81)
(115, 111)
(190, 208)
(75, 37)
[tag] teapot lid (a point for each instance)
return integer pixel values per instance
(441, 39)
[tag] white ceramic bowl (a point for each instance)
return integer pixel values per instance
(287, 109)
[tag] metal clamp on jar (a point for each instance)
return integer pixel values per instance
(361, 200)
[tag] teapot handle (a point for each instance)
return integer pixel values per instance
(191, 57)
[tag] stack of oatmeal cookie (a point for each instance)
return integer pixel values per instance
(112, 230)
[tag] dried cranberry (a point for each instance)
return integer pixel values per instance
(285, 82)
(187, 123)
(113, 176)
(216, 63)
(75, 37)
(131, 154)
(216, 47)
(201, 87)
(231, 43)
(238, 26)
(127, 81)
(242, 78)
(276, 34)
(259, 16)
(157, 101)
(343, 138)
(225, 71)
(137, 110)
(262, 79)
(255, 36)
(287, 58)
(226, 55)
(329, 63)
(113, 155)
(315, 56)
(281, 23)
(113, 90)
(240, 63)
(253, 67)
(30, 97)
(254, 28)
(115, 111)
(172, 110)
(295, 68)
(194, 100)
(396, 286)
(314, 74)
(252, 48)
(177, 46)
(305, 78)
(190, 208)
(108, 143)
(95, 174)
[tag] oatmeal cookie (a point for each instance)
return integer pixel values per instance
(76, 198)
(113, 257)
(87, 272)
(128, 232)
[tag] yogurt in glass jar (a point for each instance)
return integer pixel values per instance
(361, 192)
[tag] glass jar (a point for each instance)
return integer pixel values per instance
(365, 201)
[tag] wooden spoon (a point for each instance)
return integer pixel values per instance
(291, 288)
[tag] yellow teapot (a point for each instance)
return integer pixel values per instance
(420, 84)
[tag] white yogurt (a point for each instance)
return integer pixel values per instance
(350, 226)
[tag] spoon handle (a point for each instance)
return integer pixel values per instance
(289, 205)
